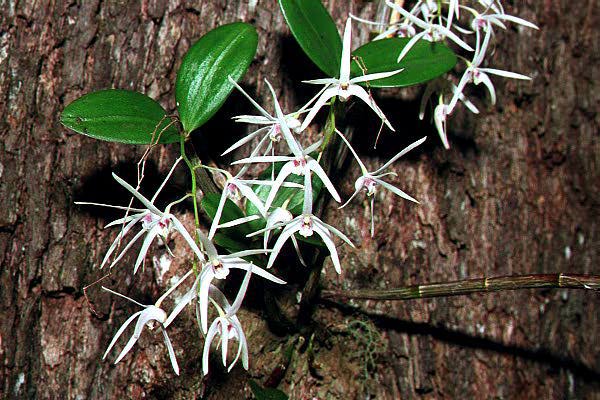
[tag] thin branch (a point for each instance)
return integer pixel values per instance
(468, 286)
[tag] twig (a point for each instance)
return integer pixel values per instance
(468, 286)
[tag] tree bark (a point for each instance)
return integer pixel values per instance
(516, 194)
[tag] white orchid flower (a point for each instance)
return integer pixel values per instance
(431, 31)
(370, 180)
(476, 74)
(218, 267)
(301, 163)
(276, 219)
(272, 125)
(344, 87)
(154, 223)
(234, 188)
(227, 326)
(442, 110)
(145, 317)
(306, 225)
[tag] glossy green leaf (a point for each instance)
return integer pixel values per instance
(315, 32)
(120, 116)
(261, 393)
(424, 62)
(202, 85)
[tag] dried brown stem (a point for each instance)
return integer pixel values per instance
(468, 286)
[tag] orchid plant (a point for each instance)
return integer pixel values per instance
(284, 202)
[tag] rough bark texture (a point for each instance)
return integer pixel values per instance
(517, 193)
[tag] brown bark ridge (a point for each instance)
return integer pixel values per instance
(516, 194)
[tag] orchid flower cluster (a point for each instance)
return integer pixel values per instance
(455, 21)
(293, 168)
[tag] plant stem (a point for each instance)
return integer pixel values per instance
(468, 286)
(198, 175)
(333, 157)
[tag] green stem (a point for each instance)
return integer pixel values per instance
(199, 175)
(193, 174)
(468, 286)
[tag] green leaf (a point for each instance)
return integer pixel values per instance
(424, 62)
(261, 393)
(202, 85)
(315, 32)
(120, 116)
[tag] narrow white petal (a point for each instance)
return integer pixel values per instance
(360, 163)
(285, 130)
(245, 140)
(267, 229)
(138, 195)
(397, 156)
(429, 89)
(485, 79)
(285, 171)
(254, 103)
(410, 45)
(117, 240)
(516, 20)
(506, 74)
(418, 22)
(263, 159)
(120, 332)
(350, 199)
(240, 221)
(241, 264)
(298, 252)
(249, 194)
(439, 116)
(323, 81)
(395, 190)
(149, 314)
(314, 165)
(127, 247)
(217, 217)
(346, 49)
(207, 343)
(239, 298)
(186, 236)
(288, 231)
(237, 256)
(206, 278)
(171, 352)
(129, 218)
(181, 304)
(361, 93)
(89, 203)
(335, 231)
(326, 236)
(164, 182)
(458, 90)
(375, 76)
(327, 94)
(123, 296)
(144, 249)
(308, 192)
(314, 146)
(452, 36)
(224, 343)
